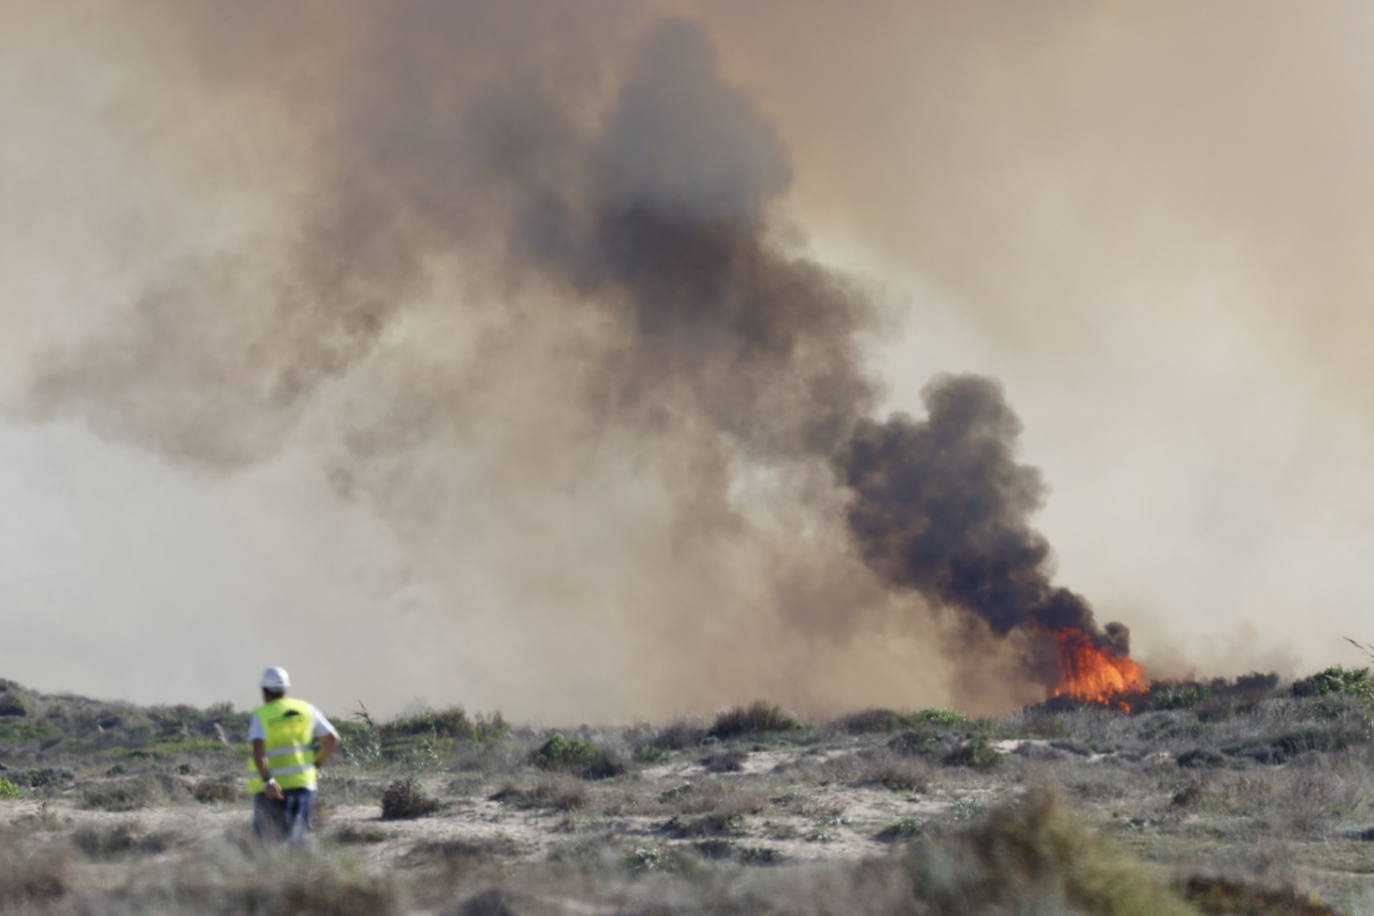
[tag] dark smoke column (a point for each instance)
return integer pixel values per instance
(942, 507)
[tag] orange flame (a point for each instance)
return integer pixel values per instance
(1094, 673)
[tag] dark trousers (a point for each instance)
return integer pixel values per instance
(290, 819)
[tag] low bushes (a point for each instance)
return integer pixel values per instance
(756, 718)
(976, 754)
(579, 756)
(1350, 681)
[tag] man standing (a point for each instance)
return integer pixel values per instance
(283, 764)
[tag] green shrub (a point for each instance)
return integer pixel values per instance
(558, 752)
(1178, 696)
(405, 799)
(1353, 681)
(9, 789)
(939, 718)
(445, 723)
(976, 754)
(652, 753)
(22, 731)
(915, 744)
(577, 755)
(756, 718)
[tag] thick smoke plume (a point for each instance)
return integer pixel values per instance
(530, 248)
(942, 506)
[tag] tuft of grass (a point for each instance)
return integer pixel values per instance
(9, 789)
(714, 824)
(730, 760)
(902, 831)
(120, 840)
(405, 799)
(757, 718)
(891, 771)
(354, 835)
(126, 793)
(216, 791)
(558, 793)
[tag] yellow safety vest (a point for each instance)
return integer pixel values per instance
(288, 725)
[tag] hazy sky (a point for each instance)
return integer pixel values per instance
(276, 391)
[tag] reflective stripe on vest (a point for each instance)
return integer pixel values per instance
(287, 725)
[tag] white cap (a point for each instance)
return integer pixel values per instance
(275, 678)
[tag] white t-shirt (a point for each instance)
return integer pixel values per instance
(320, 726)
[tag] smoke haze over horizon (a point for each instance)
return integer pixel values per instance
(502, 353)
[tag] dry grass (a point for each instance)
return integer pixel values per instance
(880, 767)
(555, 793)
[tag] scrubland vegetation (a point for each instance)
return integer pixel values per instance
(1242, 796)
